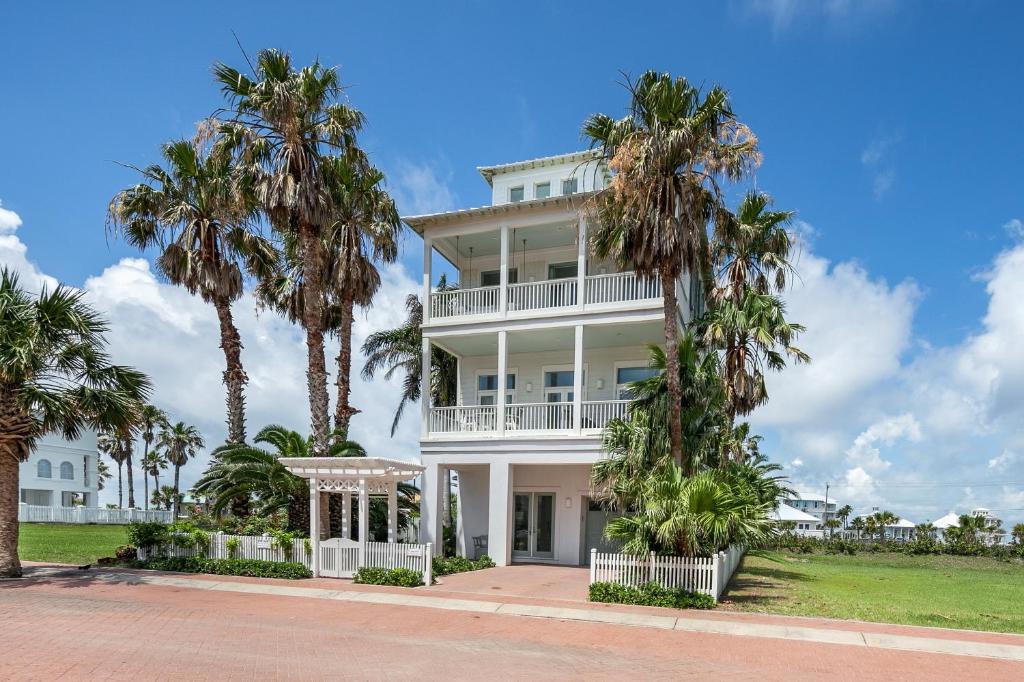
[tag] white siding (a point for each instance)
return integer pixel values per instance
(589, 177)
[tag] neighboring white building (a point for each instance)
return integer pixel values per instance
(61, 473)
(952, 519)
(806, 524)
(546, 336)
(813, 504)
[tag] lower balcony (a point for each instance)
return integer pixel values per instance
(525, 419)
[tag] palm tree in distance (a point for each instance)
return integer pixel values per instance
(190, 210)
(55, 378)
(281, 124)
(179, 443)
(843, 513)
(668, 155)
(110, 445)
(152, 464)
(151, 418)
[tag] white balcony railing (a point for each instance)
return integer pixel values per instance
(550, 293)
(538, 417)
(620, 286)
(597, 413)
(463, 419)
(460, 302)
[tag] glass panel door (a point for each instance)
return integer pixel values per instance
(544, 527)
(521, 525)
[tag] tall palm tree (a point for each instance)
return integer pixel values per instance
(240, 469)
(858, 525)
(109, 444)
(151, 418)
(400, 350)
(179, 443)
(102, 474)
(152, 464)
(668, 154)
(843, 513)
(281, 124)
(751, 247)
(55, 377)
(190, 210)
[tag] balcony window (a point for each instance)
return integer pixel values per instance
(542, 190)
(558, 385)
(570, 186)
(487, 389)
(563, 270)
(67, 471)
(627, 375)
(492, 278)
(515, 194)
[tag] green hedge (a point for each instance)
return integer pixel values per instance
(650, 594)
(246, 567)
(399, 577)
(460, 564)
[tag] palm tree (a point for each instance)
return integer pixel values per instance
(190, 211)
(102, 474)
(283, 121)
(668, 154)
(844, 514)
(240, 469)
(924, 530)
(152, 464)
(55, 377)
(858, 525)
(179, 443)
(110, 445)
(167, 498)
(832, 524)
(151, 418)
(871, 526)
(400, 350)
(1017, 533)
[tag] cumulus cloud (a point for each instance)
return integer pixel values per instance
(174, 337)
(421, 188)
(1015, 228)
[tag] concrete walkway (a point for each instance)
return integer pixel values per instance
(844, 633)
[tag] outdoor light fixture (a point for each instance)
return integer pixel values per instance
(600, 384)
(529, 387)
(568, 503)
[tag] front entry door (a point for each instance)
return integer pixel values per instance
(533, 526)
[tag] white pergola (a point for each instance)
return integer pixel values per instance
(345, 476)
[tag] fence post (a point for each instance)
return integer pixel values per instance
(650, 569)
(428, 573)
(593, 565)
(22, 512)
(715, 575)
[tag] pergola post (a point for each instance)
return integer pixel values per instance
(346, 515)
(314, 526)
(364, 514)
(392, 511)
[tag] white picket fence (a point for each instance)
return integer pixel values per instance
(709, 575)
(339, 558)
(31, 513)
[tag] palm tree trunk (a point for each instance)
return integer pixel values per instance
(234, 376)
(10, 567)
(131, 481)
(145, 474)
(156, 484)
(120, 486)
(312, 304)
(343, 411)
(675, 394)
(174, 502)
(145, 490)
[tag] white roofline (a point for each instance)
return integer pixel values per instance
(418, 222)
(352, 468)
(488, 172)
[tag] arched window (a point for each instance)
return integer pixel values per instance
(43, 469)
(67, 471)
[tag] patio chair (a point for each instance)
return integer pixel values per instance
(479, 546)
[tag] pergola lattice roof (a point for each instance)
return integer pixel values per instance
(352, 468)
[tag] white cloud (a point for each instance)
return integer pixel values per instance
(1015, 228)
(9, 220)
(1003, 462)
(877, 158)
(421, 188)
(784, 13)
(174, 337)
(14, 253)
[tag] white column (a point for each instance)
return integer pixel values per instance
(430, 507)
(314, 526)
(325, 516)
(428, 251)
(499, 506)
(346, 515)
(364, 513)
(393, 512)
(577, 381)
(503, 301)
(425, 388)
(502, 379)
(581, 263)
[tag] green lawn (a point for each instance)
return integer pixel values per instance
(974, 593)
(68, 543)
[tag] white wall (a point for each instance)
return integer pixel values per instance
(472, 506)
(81, 454)
(587, 180)
(567, 482)
(536, 267)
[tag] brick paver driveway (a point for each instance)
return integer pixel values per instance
(79, 626)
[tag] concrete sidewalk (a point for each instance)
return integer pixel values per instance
(845, 633)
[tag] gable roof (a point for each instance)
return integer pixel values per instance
(559, 159)
(786, 513)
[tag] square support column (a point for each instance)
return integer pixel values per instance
(364, 513)
(325, 516)
(392, 512)
(428, 252)
(581, 263)
(499, 510)
(577, 380)
(314, 526)
(346, 515)
(502, 380)
(425, 388)
(430, 508)
(503, 277)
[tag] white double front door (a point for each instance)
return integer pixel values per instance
(533, 525)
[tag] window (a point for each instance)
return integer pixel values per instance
(515, 194)
(542, 190)
(67, 471)
(558, 386)
(570, 186)
(85, 470)
(563, 270)
(492, 278)
(627, 375)
(43, 469)
(487, 389)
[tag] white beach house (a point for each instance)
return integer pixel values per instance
(546, 337)
(60, 473)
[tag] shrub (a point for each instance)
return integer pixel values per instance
(244, 567)
(147, 535)
(399, 577)
(232, 545)
(650, 594)
(126, 553)
(839, 546)
(459, 564)
(923, 544)
(187, 534)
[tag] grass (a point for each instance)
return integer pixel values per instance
(975, 593)
(68, 543)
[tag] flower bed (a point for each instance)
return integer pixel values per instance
(397, 577)
(650, 594)
(243, 567)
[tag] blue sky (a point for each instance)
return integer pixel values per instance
(888, 126)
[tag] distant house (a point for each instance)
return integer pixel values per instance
(815, 505)
(806, 524)
(60, 473)
(952, 520)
